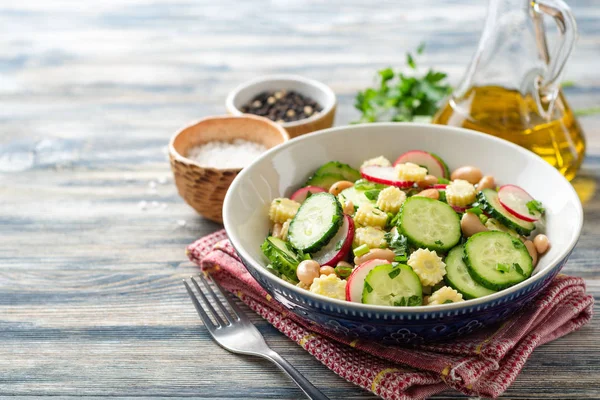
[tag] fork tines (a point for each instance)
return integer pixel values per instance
(231, 316)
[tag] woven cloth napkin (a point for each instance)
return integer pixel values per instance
(483, 364)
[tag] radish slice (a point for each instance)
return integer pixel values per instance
(385, 175)
(356, 280)
(440, 186)
(435, 166)
(301, 194)
(515, 200)
(339, 246)
(459, 209)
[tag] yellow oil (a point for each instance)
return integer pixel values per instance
(509, 115)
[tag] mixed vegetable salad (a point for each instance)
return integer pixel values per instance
(404, 234)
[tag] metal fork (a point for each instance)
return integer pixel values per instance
(239, 335)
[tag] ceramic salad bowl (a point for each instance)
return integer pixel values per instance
(281, 170)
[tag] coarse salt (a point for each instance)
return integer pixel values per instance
(236, 154)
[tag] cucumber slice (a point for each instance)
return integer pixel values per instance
(496, 260)
(282, 258)
(388, 285)
(357, 197)
(324, 180)
(317, 221)
(430, 223)
(338, 168)
(458, 277)
(488, 199)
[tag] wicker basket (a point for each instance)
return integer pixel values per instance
(204, 188)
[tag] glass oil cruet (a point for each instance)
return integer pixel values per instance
(512, 87)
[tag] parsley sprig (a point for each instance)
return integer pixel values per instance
(401, 97)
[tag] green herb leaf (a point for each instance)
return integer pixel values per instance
(403, 301)
(475, 210)
(503, 268)
(394, 273)
(398, 244)
(414, 301)
(339, 244)
(535, 206)
(368, 287)
(410, 61)
(439, 242)
(421, 48)
(443, 181)
(519, 269)
(442, 196)
(399, 97)
(447, 302)
(372, 194)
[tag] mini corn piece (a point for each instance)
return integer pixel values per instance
(380, 161)
(428, 266)
(444, 295)
(284, 229)
(368, 215)
(390, 199)
(374, 238)
(329, 286)
(460, 193)
(410, 172)
(283, 209)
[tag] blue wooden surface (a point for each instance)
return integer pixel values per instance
(91, 302)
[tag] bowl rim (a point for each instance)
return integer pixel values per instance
(249, 261)
(179, 157)
(231, 97)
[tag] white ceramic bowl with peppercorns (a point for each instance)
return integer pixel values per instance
(295, 98)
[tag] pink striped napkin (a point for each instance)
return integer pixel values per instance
(482, 364)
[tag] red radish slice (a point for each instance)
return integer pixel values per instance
(385, 175)
(459, 209)
(333, 252)
(435, 166)
(515, 200)
(301, 194)
(441, 186)
(356, 280)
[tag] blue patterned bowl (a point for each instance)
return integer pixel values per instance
(281, 170)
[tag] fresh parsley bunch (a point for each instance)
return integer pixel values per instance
(402, 97)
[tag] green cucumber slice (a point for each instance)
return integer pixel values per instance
(357, 197)
(317, 221)
(430, 223)
(388, 285)
(496, 260)
(282, 258)
(324, 180)
(458, 277)
(488, 199)
(338, 168)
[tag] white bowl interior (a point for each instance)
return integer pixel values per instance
(282, 170)
(316, 90)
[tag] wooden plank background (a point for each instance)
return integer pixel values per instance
(91, 302)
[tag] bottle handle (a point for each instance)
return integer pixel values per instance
(567, 27)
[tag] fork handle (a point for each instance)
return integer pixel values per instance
(308, 388)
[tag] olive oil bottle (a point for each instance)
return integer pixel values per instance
(512, 86)
(509, 115)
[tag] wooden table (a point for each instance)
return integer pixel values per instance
(91, 301)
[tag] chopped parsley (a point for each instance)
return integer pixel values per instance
(398, 244)
(534, 207)
(475, 209)
(448, 301)
(368, 287)
(519, 269)
(394, 273)
(439, 242)
(502, 268)
(339, 244)
(372, 194)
